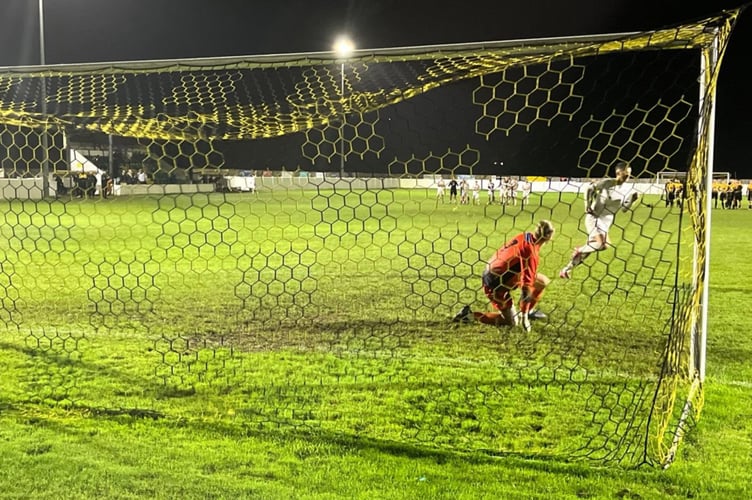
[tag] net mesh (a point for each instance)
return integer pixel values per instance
(263, 241)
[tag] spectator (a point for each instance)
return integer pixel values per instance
(60, 189)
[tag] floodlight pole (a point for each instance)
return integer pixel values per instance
(45, 139)
(343, 48)
(342, 125)
(111, 160)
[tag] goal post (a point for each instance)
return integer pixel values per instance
(322, 298)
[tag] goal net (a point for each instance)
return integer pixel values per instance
(263, 241)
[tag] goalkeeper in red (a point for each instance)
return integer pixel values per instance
(515, 265)
(602, 201)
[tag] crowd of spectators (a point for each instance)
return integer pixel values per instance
(132, 177)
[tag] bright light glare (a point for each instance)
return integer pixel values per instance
(344, 46)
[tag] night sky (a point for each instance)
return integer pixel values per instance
(117, 30)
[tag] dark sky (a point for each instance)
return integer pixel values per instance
(116, 30)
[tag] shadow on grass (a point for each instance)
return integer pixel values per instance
(347, 443)
(70, 372)
(147, 389)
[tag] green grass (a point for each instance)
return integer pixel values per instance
(297, 346)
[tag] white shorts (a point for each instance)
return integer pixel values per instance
(598, 225)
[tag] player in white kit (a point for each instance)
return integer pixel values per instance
(602, 201)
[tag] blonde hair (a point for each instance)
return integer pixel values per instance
(544, 230)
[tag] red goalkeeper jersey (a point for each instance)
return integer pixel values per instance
(519, 256)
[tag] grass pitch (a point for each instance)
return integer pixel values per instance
(195, 313)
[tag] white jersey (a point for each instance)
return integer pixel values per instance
(604, 198)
